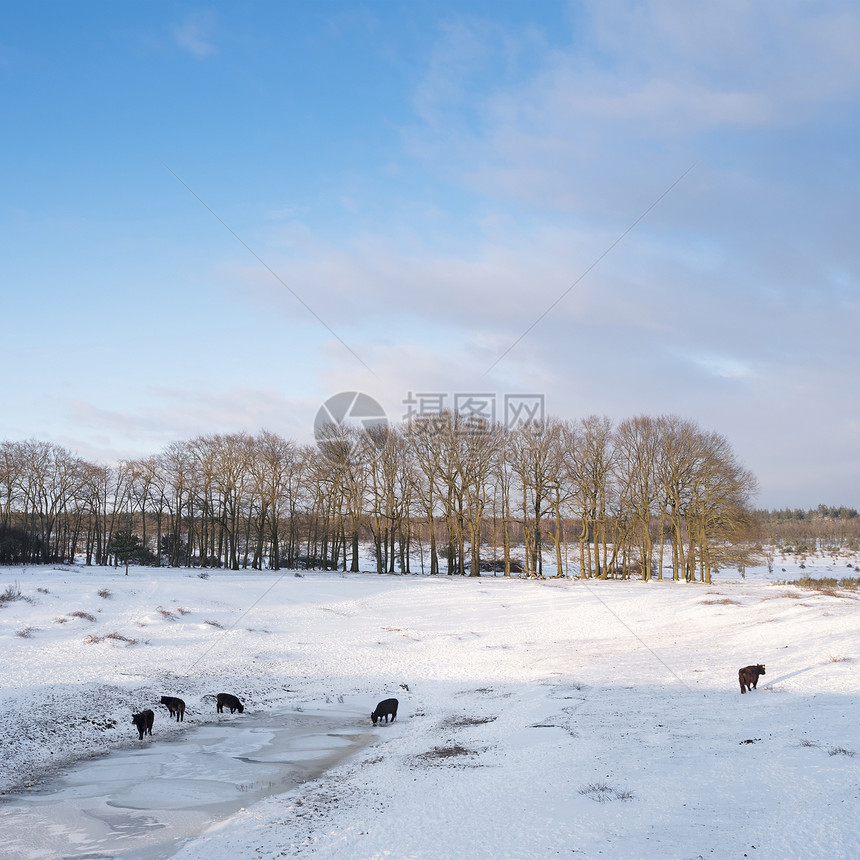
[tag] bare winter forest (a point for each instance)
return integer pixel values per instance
(438, 494)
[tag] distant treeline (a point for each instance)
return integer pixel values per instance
(811, 530)
(443, 493)
(822, 512)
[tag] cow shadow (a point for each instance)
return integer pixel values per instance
(789, 675)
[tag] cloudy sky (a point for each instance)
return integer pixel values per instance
(216, 216)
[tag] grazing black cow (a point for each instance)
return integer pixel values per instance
(175, 706)
(386, 708)
(143, 721)
(749, 675)
(228, 700)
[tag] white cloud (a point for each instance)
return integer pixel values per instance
(723, 366)
(194, 35)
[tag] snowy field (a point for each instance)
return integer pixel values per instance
(537, 719)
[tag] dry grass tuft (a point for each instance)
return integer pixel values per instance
(79, 613)
(113, 637)
(465, 721)
(12, 593)
(118, 637)
(601, 792)
(786, 595)
(441, 755)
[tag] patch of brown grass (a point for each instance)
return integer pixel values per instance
(786, 595)
(841, 751)
(113, 637)
(464, 721)
(118, 637)
(438, 754)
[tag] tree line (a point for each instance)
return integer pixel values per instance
(823, 528)
(441, 493)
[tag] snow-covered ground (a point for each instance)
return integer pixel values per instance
(537, 719)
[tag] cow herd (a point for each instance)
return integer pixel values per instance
(748, 678)
(144, 720)
(176, 707)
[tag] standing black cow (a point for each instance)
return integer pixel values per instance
(175, 706)
(386, 708)
(143, 721)
(228, 700)
(749, 675)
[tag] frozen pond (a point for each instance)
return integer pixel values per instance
(140, 804)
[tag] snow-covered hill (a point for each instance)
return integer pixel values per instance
(537, 719)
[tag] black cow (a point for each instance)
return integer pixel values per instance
(386, 708)
(228, 700)
(175, 706)
(143, 721)
(749, 675)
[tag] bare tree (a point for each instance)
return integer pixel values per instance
(588, 464)
(637, 442)
(272, 465)
(537, 455)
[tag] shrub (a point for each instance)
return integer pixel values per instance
(12, 593)
(827, 584)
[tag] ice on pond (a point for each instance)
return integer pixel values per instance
(139, 804)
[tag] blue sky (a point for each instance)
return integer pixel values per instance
(429, 177)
